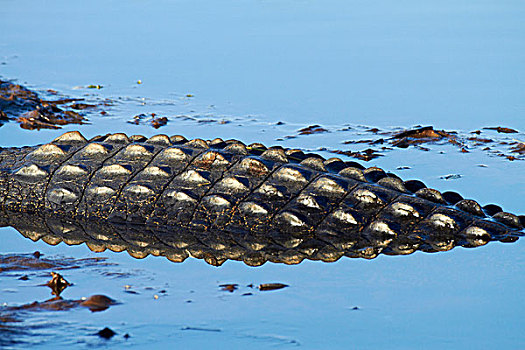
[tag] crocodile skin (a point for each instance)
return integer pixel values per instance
(281, 197)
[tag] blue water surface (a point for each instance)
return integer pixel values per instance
(457, 65)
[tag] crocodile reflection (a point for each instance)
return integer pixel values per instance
(217, 247)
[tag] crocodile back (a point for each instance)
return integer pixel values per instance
(254, 191)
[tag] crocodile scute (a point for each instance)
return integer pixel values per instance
(269, 201)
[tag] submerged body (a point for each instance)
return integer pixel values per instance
(264, 198)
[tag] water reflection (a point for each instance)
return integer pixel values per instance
(177, 244)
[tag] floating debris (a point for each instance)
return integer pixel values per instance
(158, 122)
(98, 302)
(48, 117)
(33, 113)
(200, 329)
(81, 106)
(312, 129)
(480, 140)
(229, 287)
(519, 148)
(271, 286)
(57, 284)
(365, 155)
(418, 136)
(150, 118)
(24, 262)
(94, 303)
(54, 304)
(501, 129)
(451, 177)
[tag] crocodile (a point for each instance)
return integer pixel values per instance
(221, 199)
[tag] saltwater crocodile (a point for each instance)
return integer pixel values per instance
(222, 200)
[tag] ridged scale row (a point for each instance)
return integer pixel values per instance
(227, 186)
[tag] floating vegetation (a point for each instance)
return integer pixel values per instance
(34, 113)
(422, 137)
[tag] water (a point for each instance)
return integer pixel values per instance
(455, 65)
(441, 62)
